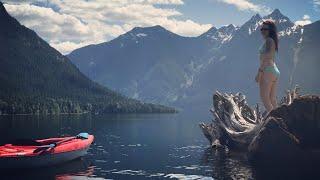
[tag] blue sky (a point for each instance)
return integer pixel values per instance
(70, 24)
(218, 13)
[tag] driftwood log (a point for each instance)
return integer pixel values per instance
(291, 131)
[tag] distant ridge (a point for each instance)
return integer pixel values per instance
(36, 79)
(160, 66)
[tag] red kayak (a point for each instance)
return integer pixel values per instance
(44, 152)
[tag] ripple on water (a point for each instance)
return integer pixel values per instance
(187, 177)
(131, 172)
(101, 161)
(192, 147)
(134, 145)
(191, 167)
(108, 171)
(157, 174)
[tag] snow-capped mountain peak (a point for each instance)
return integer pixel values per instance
(254, 18)
(153, 32)
(284, 25)
(156, 28)
(282, 21)
(228, 28)
(277, 16)
(172, 69)
(221, 35)
(142, 31)
(209, 33)
(252, 25)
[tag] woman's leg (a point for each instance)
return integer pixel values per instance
(273, 94)
(266, 82)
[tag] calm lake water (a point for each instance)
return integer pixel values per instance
(158, 146)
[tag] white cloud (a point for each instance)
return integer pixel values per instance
(245, 5)
(68, 46)
(70, 24)
(305, 20)
(316, 5)
(165, 1)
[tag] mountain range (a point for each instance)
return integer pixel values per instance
(151, 64)
(155, 65)
(36, 79)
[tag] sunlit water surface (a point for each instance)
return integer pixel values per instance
(158, 146)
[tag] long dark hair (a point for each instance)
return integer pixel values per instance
(272, 32)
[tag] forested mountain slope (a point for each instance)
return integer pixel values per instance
(35, 78)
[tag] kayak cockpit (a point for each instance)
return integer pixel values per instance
(28, 148)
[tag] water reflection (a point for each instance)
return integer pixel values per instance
(131, 147)
(78, 167)
(227, 164)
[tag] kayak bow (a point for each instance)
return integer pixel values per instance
(47, 152)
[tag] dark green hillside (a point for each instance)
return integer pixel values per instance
(35, 78)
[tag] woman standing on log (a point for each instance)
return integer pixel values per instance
(268, 73)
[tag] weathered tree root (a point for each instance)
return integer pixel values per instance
(285, 133)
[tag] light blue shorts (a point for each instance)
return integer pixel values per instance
(272, 69)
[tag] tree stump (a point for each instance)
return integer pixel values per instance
(289, 132)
